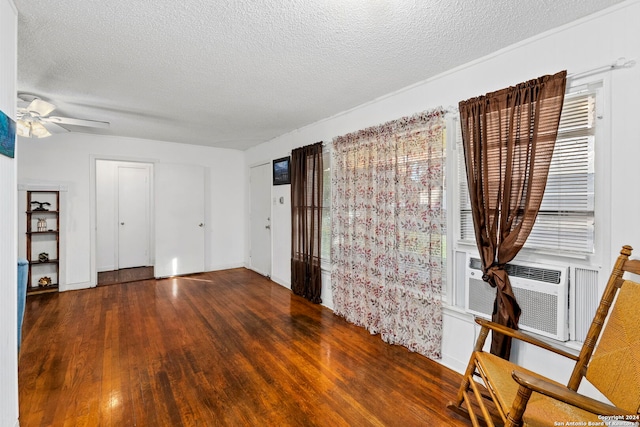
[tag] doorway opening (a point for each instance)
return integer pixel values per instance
(124, 221)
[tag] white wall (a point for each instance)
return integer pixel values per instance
(583, 45)
(8, 227)
(69, 160)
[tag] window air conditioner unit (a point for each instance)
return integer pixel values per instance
(541, 291)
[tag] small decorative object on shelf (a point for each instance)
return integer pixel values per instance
(42, 224)
(44, 281)
(41, 206)
(43, 257)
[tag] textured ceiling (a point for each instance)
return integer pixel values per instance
(234, 74)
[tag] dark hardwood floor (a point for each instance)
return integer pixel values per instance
(124, 275)
(227, 348)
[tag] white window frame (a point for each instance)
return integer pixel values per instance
(600, 260)
(325, 259)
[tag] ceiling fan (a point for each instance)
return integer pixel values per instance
(34, 120)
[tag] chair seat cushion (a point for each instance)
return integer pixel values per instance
(614, 368)
(541, 410)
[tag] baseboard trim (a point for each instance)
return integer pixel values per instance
(106, 268)
(75, 286)
(453, 364)
(280, 281)
(225, 266)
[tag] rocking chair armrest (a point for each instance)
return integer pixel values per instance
(566, 395)
(514, 333)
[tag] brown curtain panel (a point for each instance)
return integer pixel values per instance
(306, 221)
(508, 138)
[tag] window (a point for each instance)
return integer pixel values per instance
(325, 250)
(565, 222)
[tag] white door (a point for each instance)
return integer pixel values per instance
(133, 216)
(180, 226)
(260, 255)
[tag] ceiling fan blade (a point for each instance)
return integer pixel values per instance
(76, 122)
(42, 108)
(54, 128)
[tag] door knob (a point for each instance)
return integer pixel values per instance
(268, 227)
(201, 225)
(122, 223)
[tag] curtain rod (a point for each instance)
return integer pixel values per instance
(618, 64)
(324, 144)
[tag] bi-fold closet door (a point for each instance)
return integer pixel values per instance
(150, 215)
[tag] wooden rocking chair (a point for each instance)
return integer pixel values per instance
(609, 359)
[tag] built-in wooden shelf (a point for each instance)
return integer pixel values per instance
(43, 289)
(51, 261)
(47, 240)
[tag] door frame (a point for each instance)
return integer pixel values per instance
(93, 244)
(250, 237)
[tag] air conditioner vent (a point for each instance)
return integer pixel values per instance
(525, 272)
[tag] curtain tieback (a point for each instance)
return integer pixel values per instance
(490, 273)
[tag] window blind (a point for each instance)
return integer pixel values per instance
(566, 218)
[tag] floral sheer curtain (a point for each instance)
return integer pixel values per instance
(388, 230)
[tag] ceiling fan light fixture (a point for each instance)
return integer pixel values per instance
(23, 128)
(31, 129)
(39, 131)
